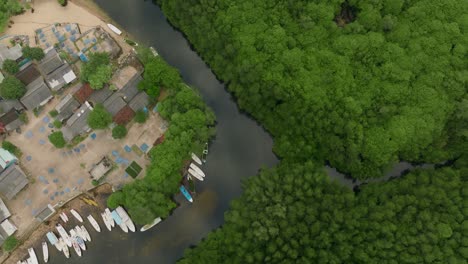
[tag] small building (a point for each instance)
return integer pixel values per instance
(83, 93)
(10, 121)
(66, 107)
(139, 102)
(50, 62)
(6, 159)
(8, 228)
(60, 77)
(114, 104)
(6, 53)
(4, 212)
(28, 73)
(38, 94)
(126, 82)
(101, 168)
(77, 124)
(124, 115)
(45, 213)
(8, 104)
(12, 181)
(99, 96)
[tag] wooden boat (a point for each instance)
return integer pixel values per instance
(45, 251)
(196, 159)
(76, 247)
(94, 223)
(65, 250)
(106, 221)
(85, 233)
(119, 221)
(114, 29)
(198, 170)
(126, 218)
(195, 174)
(150, 225)
(76, 215)
(32, 256)
(64, 234)
(186, 193)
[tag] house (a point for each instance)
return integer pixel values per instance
(77, 123)
(8, 104)
(6, 227)
(66, 107)
(37, 94)
(6, 159)
(83, 93)
(60, 77)
(99, 96)
(28, 73)
(45, 213)
(10, 121)
(50, 62)
(14, 53)
(114, 104)
(4, 212)
(12, 181)
(126, 82)
(130, 89)
(124, 115)
(139, 102)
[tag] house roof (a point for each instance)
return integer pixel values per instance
(56, 79)
(131, 88)
(6, 158)
(77, 123)
(4, 212)
(13, 53)
(28, 74)
(12, 181)
(50, 62)
(123, 76)
(124, 115)
(8, 227)
(45, 213)
(7, 105)
(66, 107)
(83, 93)
(99, 96)
(38, 93)
(114, 104)
(139, 102)
(11, 120)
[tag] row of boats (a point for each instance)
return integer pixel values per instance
(193, 171)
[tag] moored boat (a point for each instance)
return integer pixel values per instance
(109, 217)
(64, 235)
(195, 174)
(76, 215)
(94, 223)
(65, 250)
(45, 251)
(196, 159)
(126, 218)
(65, 216)
(150, 225)
(29, 261)
(32, 256)
(76, 247)
(114, 29)
(52, 238)
(119, 221)
(85, 233)
(186, 193)
(198, 170)
(81, 242)
(106, 221)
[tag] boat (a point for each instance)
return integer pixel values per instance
(76, 215)
(186, 193)
(63, 218)
(76, 247)
(29, 261)
(196, 159)
(106, 221)
(126, 218)
(198, 170)
(109, 217)
(94, 223)
(64, 234)
(119, 221)
(32, 256)
(195, 174)
(205, 152)
(81, 242)
(148, 226)
(45, 251)
(65, 250)
(52, 238)
(85, 232)
(154, 51)
(114, 29)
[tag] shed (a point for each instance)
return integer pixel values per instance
(28, 74)
(130, 89)
(6, 159)
(60, 77)
(7, 105)
(83, 93)
(4, 212)
(77, 123)
(140, 101)
(8, 227)
(37, 94)
(114, 104)
(99, 96)
(45, 213)
(10, 120)
(50, 62)
(66, 107)
(12, 181)
(13, 53)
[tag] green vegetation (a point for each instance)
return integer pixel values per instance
(140, 116)
(57, 139)
(99, 118)
(62, 2)
(158, 74)
(12, 88)
(12, 148)
(97, 71)
(10, 243)
(10, 66)
(35, 53)
(190, 125)
(53, 113)
(95, 182)
(24, 117)
(119, 132)
(57, 124)
(133, 169)
(8, 8)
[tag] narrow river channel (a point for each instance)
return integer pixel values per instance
(240, 149)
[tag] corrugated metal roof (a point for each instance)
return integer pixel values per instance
(12, 181)
(50, 62)
(114, 104)
(140, 101)
(38, 93)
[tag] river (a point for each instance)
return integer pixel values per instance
(240, 149)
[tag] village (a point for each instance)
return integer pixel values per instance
(37, 177)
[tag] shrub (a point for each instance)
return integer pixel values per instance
(57, 124)
(12, 88)
(57, 139)
(7, 145)
(62, 2)
(95, 182)
(119, 132)
(33, 53)
(140, 117)
(53, 113)
(24, 117)
(10, 243)
(99, 118)
(10, 66)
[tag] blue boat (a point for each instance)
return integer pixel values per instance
(186, 193)
(116, 217)
(52, 238)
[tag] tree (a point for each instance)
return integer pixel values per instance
(97, 71)
(140, 116)
(57, 124)
(56, 138)
(10, 66)
(8, 8)
(12, 148)
(119, 132)
(12, 88)
(159, 74)
(62, 2)
(99, 118)
(35, 53)
(10, 243)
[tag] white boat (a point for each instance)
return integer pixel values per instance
(109, 217)
(155, 53)
(45, 251)
(106, 221)
(148, 226)
(85, 232)
(52, 238)
(198, 170)
(64, 235)
(76, 215)
(119, 221)
(195, 174)
(65, 250)
(32, 256)
(126, 218)
(79, 233)
(29, 261)
(80, 242)
(76, 247)
(65, 216)
(196, 159)
(114, 29)
(94, 223)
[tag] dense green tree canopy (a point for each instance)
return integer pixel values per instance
(10, 66)
(119, 132)
(99, 118)
(57, 139)
(7, 9)
(97, 71)
(35, 53)
(158, 74)
(12, 88)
